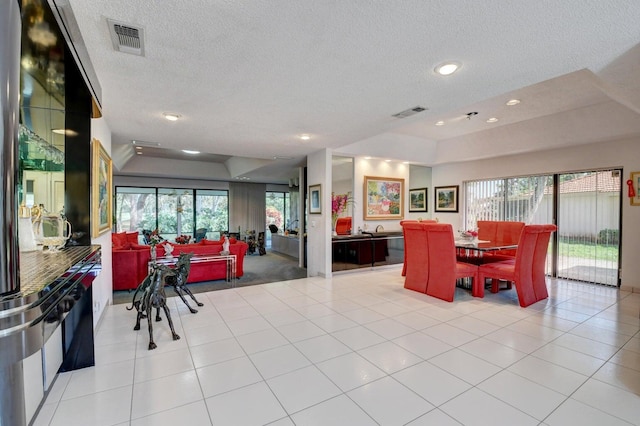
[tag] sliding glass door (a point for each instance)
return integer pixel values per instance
(589, 226)
(585, 206)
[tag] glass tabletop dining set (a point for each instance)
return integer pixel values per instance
(502, 252)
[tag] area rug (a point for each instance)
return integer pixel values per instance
(271, 267)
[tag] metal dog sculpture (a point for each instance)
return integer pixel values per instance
(179, 280)
(137, 300)
(153, 296)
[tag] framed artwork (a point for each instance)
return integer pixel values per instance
(383, 198)
(101, 171)
(446, 198)
(418, 200)
(315, 199)
(634, 188)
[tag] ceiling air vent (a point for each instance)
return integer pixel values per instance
(409, 112)
(126, 38)
(145, 143)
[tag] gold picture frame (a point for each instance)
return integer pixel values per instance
(635, 184)
(101, 178)
(383, 198)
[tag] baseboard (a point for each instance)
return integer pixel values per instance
(630, 289)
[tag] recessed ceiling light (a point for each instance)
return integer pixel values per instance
(387, 161)
(305, 137)
(139, 148)
(367, 158)
(447, 68)
(513, 102)
(492, 120)
(189, 151)
(405, 162)
(171, 116)
(139, 152)
(66, 132)
(440, 123)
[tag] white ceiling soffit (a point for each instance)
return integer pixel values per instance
(239, 166)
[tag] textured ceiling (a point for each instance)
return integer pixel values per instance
(248, 77)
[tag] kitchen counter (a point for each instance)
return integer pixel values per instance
(366, 250)
(286, 244)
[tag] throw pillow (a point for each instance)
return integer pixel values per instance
(118, 239)
(132, 237)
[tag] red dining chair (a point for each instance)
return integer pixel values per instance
(416, 259)
(507, 232)
(404, 266)
(444, 269)
(526, 272)
(343, 226)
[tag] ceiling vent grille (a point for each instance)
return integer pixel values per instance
(409, 112)
(126, 38)
(145, 143)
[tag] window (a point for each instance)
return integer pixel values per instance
(172, 210)
(212, 212)
(175, 212)
(512, 199)
(277, 206)
(135, 209)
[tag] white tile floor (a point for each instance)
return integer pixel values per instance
(359, 349)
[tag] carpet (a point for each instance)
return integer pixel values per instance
(271, 267)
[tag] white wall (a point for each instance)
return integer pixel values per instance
(319, 225)
(319, 171)
(623, 153)
(102, 286)
(378, 168)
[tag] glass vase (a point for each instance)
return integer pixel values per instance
(153, 253)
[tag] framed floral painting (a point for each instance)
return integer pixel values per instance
(101, 171)
(383, 198)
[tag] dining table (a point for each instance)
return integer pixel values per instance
(472, 251)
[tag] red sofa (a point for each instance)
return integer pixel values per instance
(130, 260)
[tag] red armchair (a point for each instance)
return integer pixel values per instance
(526, 272)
